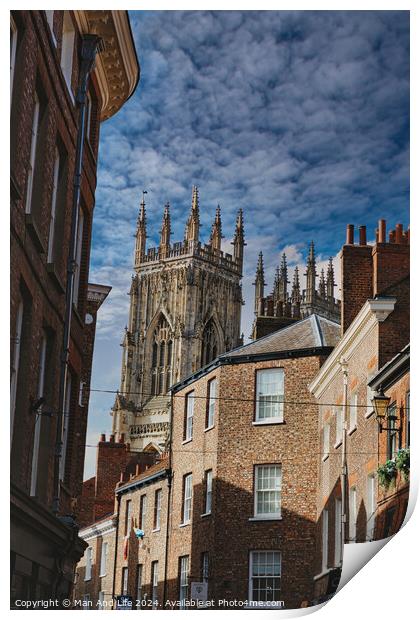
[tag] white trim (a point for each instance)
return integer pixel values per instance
(67, 51)
(261, 372)
(89, 558)
(262, 604)
(32, 156)
(98, 529)
(56, 173)
(372, 312)
(267, 516)
(268, 422)
(262, 518)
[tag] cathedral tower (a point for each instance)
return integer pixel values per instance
(185, 310)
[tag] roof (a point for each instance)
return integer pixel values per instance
(154, 471)
(314, 335)
(313, 332)
(393, 370)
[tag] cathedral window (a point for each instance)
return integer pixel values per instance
(161, 358)
(209, 347)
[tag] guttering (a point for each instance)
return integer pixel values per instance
(392, 371)
(137, 484)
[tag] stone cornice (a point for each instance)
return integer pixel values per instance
(373, 311)
(117, 68)
(98, 529)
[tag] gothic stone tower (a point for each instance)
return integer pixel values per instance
(185, 310)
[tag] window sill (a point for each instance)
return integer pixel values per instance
(338, 444)
(368, 414)
(324, 573)
(55, 278)
(351, 431)
(186, 441)
(34, 232)
(208, 428)
(103, 575)
(157, 529)
(185, 524)
(268, 422)
(325, 457)
(87, 579)
(269, 518)
(206, 514)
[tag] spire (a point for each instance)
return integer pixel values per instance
(165, 232)
(259, 286)
(140, 248)
(239, 239)
(310, 275)
(330, 280)
(193, 223)
(283, 279)
(216, 231)
(322, 287)
(295, 297)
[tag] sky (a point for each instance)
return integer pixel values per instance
(300, 118)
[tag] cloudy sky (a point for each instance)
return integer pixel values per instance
(300, 118)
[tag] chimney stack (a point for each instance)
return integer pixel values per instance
(103, 437)
(362, 235)
(350, 234)
(399, 233)
(382, 231)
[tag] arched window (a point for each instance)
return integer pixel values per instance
(161, 358)
(209, 348)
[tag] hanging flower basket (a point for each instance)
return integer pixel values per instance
(402, 462)
(387, 473)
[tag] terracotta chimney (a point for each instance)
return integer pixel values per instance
(398, 233)
(103, 437)
(111, 438)
(362, 235)
(382, 231)
(350, 234)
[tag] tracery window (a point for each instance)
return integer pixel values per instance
(161, 358)
(209, 348)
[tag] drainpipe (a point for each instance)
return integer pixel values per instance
(119, 495)
(344, 471)
(90, 45)
(169, 499)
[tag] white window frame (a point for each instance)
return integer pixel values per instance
(184, 569)
(205, 566)
(50, 19)
(124, 581)
(13, 50)
(67, 51)
(66, 425)
(252, 558)
(352, 515)
(324, 540)
(326, 441)
(258, 491)
(211, 407)
(14, 375)
(155, 582)
(187, 499)
(370, 506)
(32, 156)
(56, 174)
(275, 399)
(88, 571)
(79, 245)
(189, 420)
(127, 520)
(353, 412)
(143, 508)
(104, 559)
(339, 425)
(337, 532)
(369, 396)
(157, 510)
(38, 414)
(209, 488)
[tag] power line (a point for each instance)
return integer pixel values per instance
(229, 399)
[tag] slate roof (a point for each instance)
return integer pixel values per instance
(313, 332)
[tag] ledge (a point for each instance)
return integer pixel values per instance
(187, 441)
(323, 574)
(206, 514)
(369, 414)
(338, 444)
(34, 232)
(55, 277)
(351, 431)
(209, 428)
(270, 423)
(265, 518)
(185, 524)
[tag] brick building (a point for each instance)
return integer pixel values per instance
(116, 562)
(375, 327)
(52, 203)
(244, 461)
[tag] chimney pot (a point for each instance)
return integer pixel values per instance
(391, 236)
(382, 231)
(112, 438)
(362, 235)
(121, 438)
(398, 233)
(103, 437)
(350, 234)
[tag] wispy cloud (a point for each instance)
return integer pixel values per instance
(301, 118)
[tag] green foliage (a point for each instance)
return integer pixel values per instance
(387, 473)
(402, 462)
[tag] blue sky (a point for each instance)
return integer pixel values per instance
(299, 117)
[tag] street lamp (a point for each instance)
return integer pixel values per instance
(380, 404)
